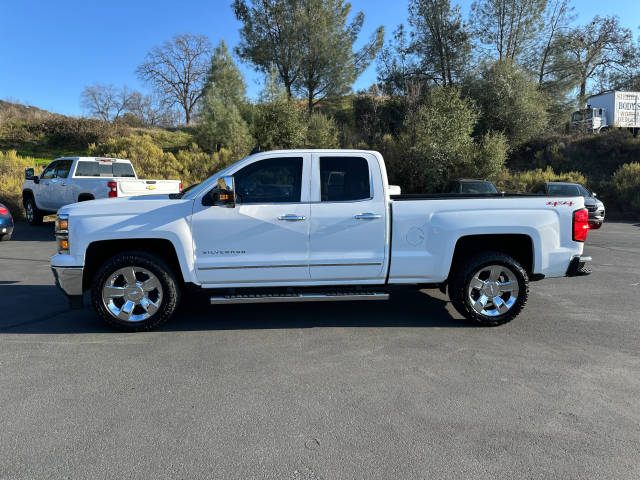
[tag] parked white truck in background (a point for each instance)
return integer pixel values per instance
(608, 110)
(69, 180)
(313, 225)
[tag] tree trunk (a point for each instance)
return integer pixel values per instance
(583, 93)
(187, 115)
(310, 101)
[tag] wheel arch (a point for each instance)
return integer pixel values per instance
(99, 251)
(519, 246)
(85, 196)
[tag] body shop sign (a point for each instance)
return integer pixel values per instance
(628, 110)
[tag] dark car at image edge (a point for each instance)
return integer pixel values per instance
(594, 206)
(6, 223)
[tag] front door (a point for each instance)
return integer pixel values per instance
(44, 195)
(348, 219)
(60, 192)
(264, 238)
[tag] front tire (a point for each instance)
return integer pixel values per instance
(490, 289)
(5, 238)
(135, 291)
(33, 213)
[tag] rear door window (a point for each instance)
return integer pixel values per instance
(344, 179)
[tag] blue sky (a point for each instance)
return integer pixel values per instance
(51, 49)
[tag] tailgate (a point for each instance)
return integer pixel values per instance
(129, 188)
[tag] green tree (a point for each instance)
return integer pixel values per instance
(270, 36)
(322, 132)
(440, 40)
(309, 42)
(277, 121)
(507, 27)
(221, 124)
(329, 64)
(438, 143)
(510, 102)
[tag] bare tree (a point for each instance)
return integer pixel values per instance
(177, 70)
(105, 102)
(597, 47)
(152, 111)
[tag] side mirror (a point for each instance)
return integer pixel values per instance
(594, 194)
(28, 173)
(223, 194)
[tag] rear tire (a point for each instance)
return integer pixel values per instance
(33, 213)
(490, 289)
(135, 291)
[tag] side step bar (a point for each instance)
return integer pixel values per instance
(300, 297)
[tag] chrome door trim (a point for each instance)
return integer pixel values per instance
(373, 264)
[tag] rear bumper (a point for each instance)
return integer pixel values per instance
(69, 279)
(579, 266)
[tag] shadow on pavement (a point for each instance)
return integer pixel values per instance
(405, 309)
(23, 232)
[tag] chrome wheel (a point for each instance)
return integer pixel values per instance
(132, 294)
(29, 211)
(493, 290)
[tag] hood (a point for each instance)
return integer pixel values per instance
(591, 201)
(122, 206)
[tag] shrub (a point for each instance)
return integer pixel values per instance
(523, 182)
(626, 183)
(510, 102)
(76, 132)
(191, 165)
(438, 144)
(11, 178)
(596, 156)
(322, 132)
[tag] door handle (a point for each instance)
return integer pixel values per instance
(291, 218)
(367, 216)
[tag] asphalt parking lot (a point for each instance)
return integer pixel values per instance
(397, 390)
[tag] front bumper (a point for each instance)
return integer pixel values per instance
(579, 266)
(6, 226)
(69, 279)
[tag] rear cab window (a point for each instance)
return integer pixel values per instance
(92, 168)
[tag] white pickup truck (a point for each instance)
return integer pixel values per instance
(77, 179)
(313, 225)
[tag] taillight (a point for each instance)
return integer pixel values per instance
(181, 187)
(113, 189)
(4, 211)
(580, 225)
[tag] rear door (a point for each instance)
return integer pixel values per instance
(348, 219)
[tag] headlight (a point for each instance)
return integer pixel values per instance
(62, 233)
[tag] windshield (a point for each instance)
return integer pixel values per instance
(104, 169)
(565, 190)
(478, 187)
